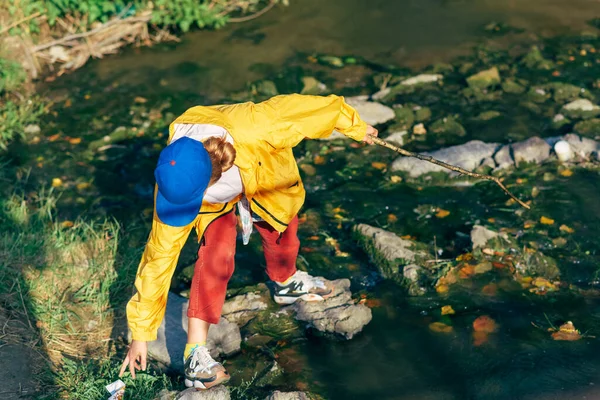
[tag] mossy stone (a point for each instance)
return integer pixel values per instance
(511, 86)
(590, 127)
(484, 79)
(448, 126)
(405, 117)
(422, 114)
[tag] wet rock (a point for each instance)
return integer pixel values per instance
(223, 338)
(484, 79)
(371, 112)
(535, 60)
(405, 117)
(582, 147)
(590, 127)
(563, 92)
(241, 309)
(511, 86)
(266, 88)
(390, 253)
(269, 376)
(216, 393)
(421, 79)
(537, 264)
(277, 395)
(581, 108)
(538, 95)
(422, 113)
(487, 115)
(278, 325)
(413, 274)
(32, 129)
(563, 151)
(503, 158)
(534, 150)
(310, 85)
(398, 137)
(337, 314)
(480, 236)
(448, 126)
(559, 121)
(468, 156)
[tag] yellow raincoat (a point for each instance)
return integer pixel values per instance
(264, 135)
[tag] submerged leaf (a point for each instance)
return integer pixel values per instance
(485, 324)
(442, 213)
(378, 165)
(566, 229)
(447, 310)
(546, 220)
(440, 327)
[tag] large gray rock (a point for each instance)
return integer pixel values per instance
(503, 158)
(468, 156)
(241, 309)
(277, 395)
(223, 338)
(371, 112)
(216, 393)
(533, 150)
(337, 314)
(582, 147)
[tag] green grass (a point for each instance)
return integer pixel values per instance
(86, 380)
(15, 115)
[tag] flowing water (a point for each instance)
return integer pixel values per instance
(397, 356)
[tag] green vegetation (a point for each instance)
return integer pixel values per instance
(182, 14)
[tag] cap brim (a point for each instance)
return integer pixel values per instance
(177, 214)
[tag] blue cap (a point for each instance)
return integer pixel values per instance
(182, 175)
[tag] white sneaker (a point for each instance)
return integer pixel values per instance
(202, 371)
(301, 286)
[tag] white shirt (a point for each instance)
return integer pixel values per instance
(229, 186)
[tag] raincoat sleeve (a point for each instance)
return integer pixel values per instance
(146, 308)
(314, 117)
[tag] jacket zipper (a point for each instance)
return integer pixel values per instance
(267, 211)
(203, 238)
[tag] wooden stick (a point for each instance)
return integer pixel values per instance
(19, 22)
(454, 168)
(255, 15)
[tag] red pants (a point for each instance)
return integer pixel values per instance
(216, 262)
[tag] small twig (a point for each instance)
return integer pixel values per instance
(435, 248)
(255, 15)
(19, 22)
(454, 168)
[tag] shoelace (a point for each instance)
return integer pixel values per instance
(201, 360)
(309, 281)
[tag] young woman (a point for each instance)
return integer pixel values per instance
(218, 157)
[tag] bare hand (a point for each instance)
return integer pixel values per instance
(370, 132)
(136, 358)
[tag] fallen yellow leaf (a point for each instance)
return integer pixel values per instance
(140, 100)
(528, 224)
(319, 160)
(67, 224)
(53, 138)
(567, 332)
(75, 140)
(57, 182)
(440, 327)
(447, 310)
(378, 165)
(68, 103)
(546, 220)
(566, 172)
(442, 213)
(491, 220)
(566, 229)
(395, 179)
(87, 96)
(392, 218)
(442, 288)
(83, 185)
